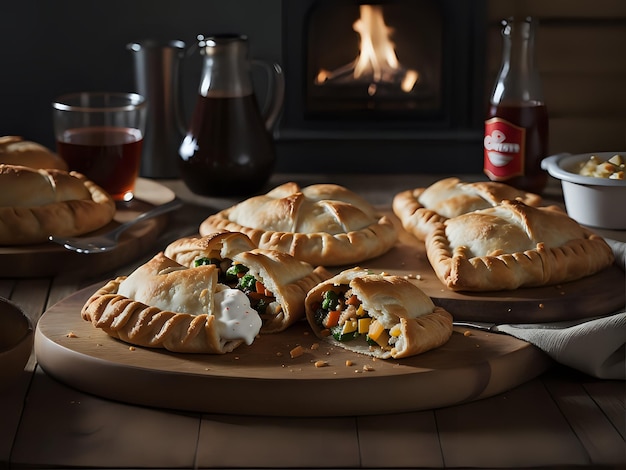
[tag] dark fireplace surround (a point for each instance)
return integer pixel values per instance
(333, 122)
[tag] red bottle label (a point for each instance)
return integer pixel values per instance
(504, 149)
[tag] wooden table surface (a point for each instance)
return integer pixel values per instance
(561, 419)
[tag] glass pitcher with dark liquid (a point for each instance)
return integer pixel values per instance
(228, 149)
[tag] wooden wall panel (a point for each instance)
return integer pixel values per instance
(581, 55)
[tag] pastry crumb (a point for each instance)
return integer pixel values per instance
(367, 368)
(467, 333)
(349, 363)
(132, 348)
(71, 334)
(315, 346)
(321, 364)
(296, 352)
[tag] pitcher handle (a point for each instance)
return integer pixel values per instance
(275, 92)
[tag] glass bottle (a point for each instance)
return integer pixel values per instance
(516, 128)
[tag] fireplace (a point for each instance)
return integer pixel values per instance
(402, 79)
(378, 71)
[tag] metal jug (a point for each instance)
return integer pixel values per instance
(228, 149)
(157, 78)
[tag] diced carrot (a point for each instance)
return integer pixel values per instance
(353, 300)
(261, 289)
(332, 319)
(256, 295)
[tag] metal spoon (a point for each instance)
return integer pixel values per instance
(109, 240)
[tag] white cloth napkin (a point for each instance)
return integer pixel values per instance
(596, 346)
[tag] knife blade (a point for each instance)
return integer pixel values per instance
(484, 326)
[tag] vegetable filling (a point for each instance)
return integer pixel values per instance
(341, 314)
(237, 276)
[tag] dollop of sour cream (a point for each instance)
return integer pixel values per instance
(234, 318)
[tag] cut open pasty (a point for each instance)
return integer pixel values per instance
(514, 245)
(163, 304)
(322, 224)
(378, 315)
(418, 209)
(275, 282)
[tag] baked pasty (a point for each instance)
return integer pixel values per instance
(16, 151)
(377, 315)
(275, 282)
(419, 208)
(322, 224)
(163, 304)
(216, 248)
(514, 245)
(35, 204)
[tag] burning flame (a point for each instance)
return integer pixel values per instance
(377, 61)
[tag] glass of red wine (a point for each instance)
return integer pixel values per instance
(100, 134)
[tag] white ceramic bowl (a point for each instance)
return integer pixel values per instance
(596, 202)
(16, 342)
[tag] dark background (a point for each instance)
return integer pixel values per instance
(59, 46)
(54, 47)
(50, 47)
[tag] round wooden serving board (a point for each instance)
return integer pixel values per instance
(263, 379)
(50, 259)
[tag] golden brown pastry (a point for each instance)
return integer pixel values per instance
(378, 315)
(35, 204)
(514, 245)
(218, 246)
(275, 282)
(418, 209)
(163, 304)
(16, 151)
(322, 224)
